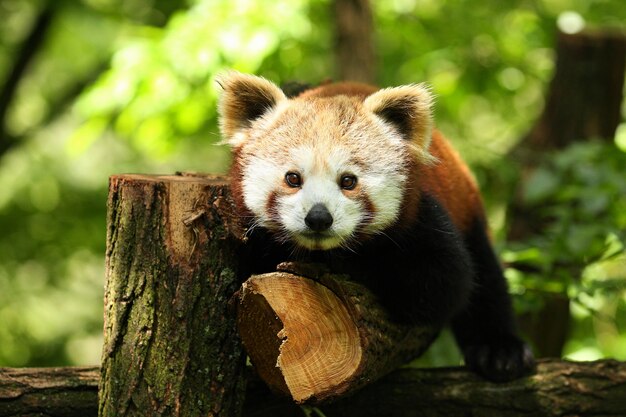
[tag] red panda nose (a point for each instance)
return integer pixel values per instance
(319, 218)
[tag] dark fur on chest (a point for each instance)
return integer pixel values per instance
(423, 275)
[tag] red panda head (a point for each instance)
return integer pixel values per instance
(319, 171)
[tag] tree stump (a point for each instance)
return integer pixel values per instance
(315, 336)
(170, 342)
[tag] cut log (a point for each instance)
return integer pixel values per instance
(170, 341)
(315, 336)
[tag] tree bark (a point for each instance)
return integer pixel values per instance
(48, 392)
(170, 342)
(583, 102)
(354, 48)
(316, 336)
(560, 388)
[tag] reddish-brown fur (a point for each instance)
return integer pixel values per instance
(236, 188)
(451, 182)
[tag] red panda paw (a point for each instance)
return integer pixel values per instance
(501, 360)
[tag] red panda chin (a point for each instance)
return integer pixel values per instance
(318, 241)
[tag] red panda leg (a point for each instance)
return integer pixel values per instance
(485, 330)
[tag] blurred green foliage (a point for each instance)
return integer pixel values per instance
(579, 197)
(128, 86)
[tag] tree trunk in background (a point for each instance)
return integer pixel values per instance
(20, 63)
(586, 94)
(583, 102)
(354, 49)
(170, 342)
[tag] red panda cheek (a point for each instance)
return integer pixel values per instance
(271, 207)
(369, 210)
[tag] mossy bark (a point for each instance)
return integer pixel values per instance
(170, 341)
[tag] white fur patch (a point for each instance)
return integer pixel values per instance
(320, 185)
(260, 178)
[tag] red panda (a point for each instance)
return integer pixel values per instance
(357, 178)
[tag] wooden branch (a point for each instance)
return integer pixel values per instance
(62, 392)
(560, 388)
(315, 336)
(170, 341)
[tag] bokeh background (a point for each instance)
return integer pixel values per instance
(90, 88)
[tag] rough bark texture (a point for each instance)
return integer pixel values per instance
(583, 102)
(170, 341)
(48, 392)
(354, 48)
(560, 388)
(315, 336)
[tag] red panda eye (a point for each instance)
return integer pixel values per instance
(293, 179)
(347, 182)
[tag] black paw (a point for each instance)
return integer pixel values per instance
(501, 360)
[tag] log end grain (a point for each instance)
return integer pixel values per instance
(303, 340)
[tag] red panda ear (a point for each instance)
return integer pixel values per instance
(408, 109)
(244, 99)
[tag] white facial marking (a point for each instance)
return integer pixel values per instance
(260, 179)
(320, 186)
